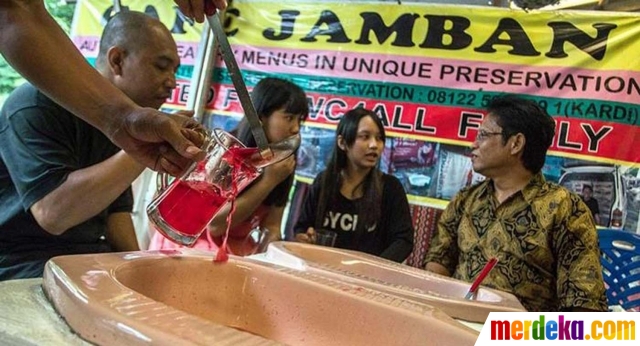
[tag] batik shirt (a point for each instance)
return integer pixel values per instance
(543, 236)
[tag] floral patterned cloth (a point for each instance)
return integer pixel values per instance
(424, 223)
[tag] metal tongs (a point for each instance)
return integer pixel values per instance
(236, 77)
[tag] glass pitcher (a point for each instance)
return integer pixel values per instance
(183, 211)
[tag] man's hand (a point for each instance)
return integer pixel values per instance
(163, 142)
(437, 268)
(197, 9)
(185, 119)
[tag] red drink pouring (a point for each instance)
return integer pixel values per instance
(183, 211)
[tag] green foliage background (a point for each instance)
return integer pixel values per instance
(10, 79)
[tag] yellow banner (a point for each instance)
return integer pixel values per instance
(551, 38)
(429, 71)
(91, 16)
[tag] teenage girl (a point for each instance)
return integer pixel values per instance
(367, 208)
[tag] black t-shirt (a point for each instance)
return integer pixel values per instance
(392, 236)
(40, 145)
(593, 206)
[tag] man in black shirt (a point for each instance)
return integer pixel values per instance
(38, 49)
(64, 187)
(592, 203)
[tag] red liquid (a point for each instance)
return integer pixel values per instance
(235, 158)
(223, 252)
(190, 205)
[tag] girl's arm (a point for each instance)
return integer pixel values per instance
(250, 199)
(307, 218)
(399, 223)
(304, 227)
(273, 222)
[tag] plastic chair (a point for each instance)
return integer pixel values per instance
(620, 258)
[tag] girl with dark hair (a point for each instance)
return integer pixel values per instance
(367, 208)
(281, 106)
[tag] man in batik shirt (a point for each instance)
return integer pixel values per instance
(542, 234)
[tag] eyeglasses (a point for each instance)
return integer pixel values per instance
(482, 135)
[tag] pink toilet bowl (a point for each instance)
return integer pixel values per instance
(181, 298)
(414, 284)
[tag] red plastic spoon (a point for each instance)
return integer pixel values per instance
(471, 295)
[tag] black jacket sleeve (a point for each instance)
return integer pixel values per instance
(309, 206)
(398, 223)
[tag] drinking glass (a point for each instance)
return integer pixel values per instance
(256, 241)
(325, 237)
